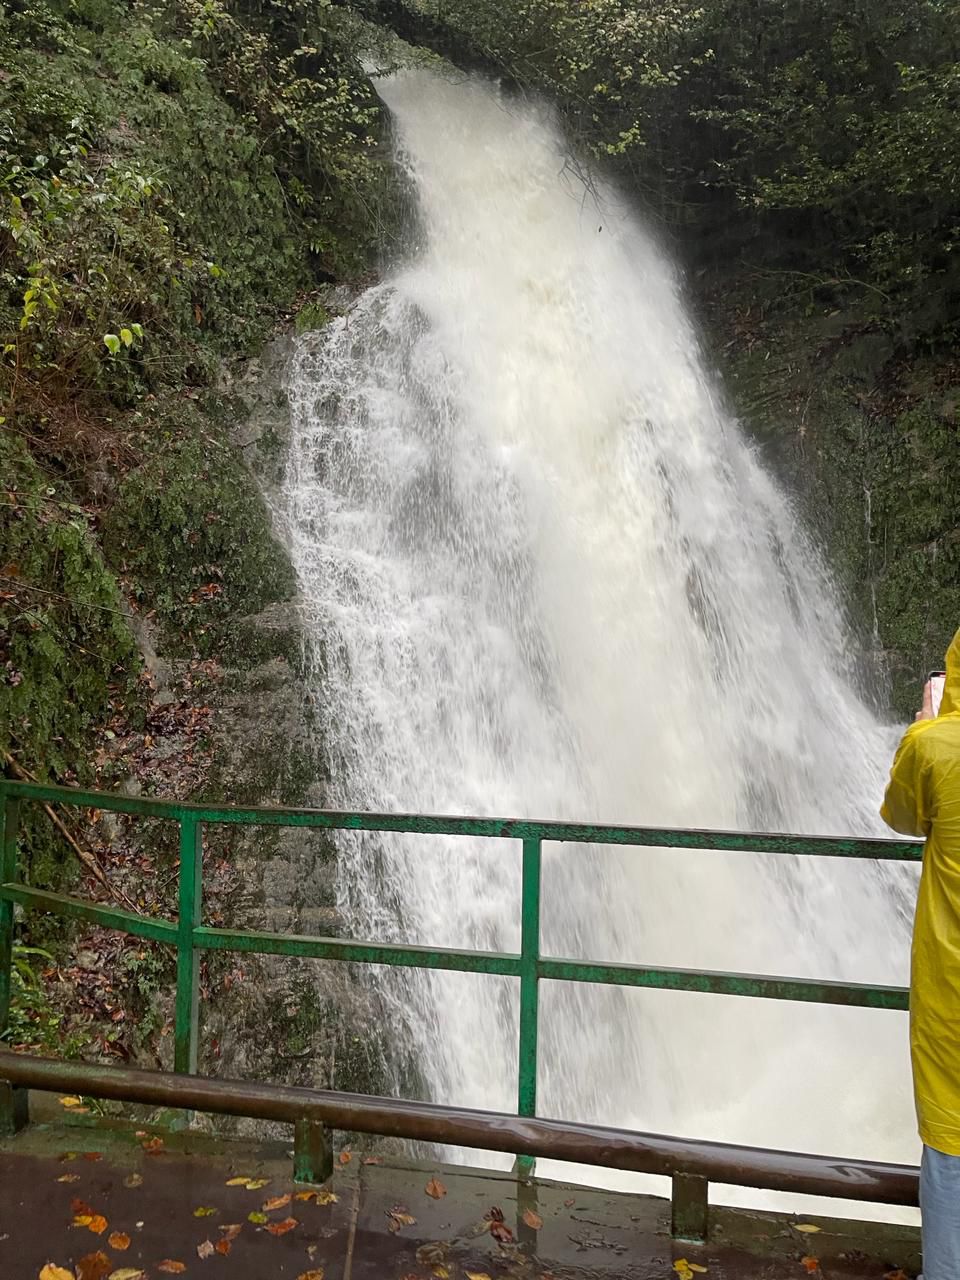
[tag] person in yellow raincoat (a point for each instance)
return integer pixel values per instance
(923, 799)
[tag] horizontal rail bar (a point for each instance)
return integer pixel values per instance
(511, 828)
(81, 909)
(487, 1130)
(316, 948)
(729, 984)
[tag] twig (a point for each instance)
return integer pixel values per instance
(87, 859)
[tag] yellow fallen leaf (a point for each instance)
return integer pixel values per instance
(476, 1275)
(69, 1177)
(257, 1218)
(255, 1184)
(808, 1227)
(683, 1269)
(316, 1274)
(126, 1273)
(695, 1266)
(52, 1272)
(204, 1211)
(71, 1101)
(441, 1273)
(237, 1182)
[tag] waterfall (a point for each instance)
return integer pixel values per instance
(546, 576)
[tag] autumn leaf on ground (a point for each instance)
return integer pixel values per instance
(476, 1275)
(306, 1195)
(152, 1145)
(257, 1218)
(895, 1275)
(80, 1206)
(532, 1219)
(133, 1180)
(52, 1272)
(398, 1218)
(126, 1273)
(373, 1160)
(281, 1228)
(172, 1267)
(813, 1264)
(501, 1232)
(442, 1273)
(92, 1155)
(345, 1157)
(435, 1189)
(686, 1270)
(67, 1155)
(316, 1274)
(69, 1177)
(257, 1184)
(94, 1222)
(807, 1227)
(429, 1255)
(118, 1240)
(204, 1211)
(224, 1246)
(71, 1101)
(326, 1197)
(275, 1202)
(205, 1249)
(237, 1182)
(94, 1266)
(232, 1230)
(568, 1204)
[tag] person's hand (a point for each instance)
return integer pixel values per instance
(926, 709)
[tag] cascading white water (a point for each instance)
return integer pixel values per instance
(547, 577)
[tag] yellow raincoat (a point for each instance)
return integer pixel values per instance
(923, 799)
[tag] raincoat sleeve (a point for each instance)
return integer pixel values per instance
(908, 803)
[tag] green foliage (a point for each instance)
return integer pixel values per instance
(35, 1025)
(190, 527)
(64, 643)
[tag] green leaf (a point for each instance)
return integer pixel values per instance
(126, 337)
(138, 330)
(112, 343)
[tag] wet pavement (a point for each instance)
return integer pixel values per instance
(98, 1201)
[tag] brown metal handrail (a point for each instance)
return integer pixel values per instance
(312, 1112)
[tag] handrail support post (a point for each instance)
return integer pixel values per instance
(312, 1151)
(529, 987)
(689, 1208)
(186, 1017)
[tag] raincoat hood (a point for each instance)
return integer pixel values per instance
(951, 688)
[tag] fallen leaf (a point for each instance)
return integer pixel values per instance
(205, 1211)
(398, 1218)
(237, 1182)
(476, 1275)
(316, 1274)
(224, 1246)
(532, 1219)
(232, 1230)
(152, 1145)
(133, 1180)
(807, 1227)
(568, 1204)
(82, 1219)
(435, 1189)
(94, 1266)
(275, 1202)
(373, 1160)
(205, 1249)
(345, 1157)
(695, 1266)
(118, 1240)
(429, 1255)
(441, 1273)
(69, 1177)
(52, 1272)
(501, 1232)
(895, 1275)
(97, 1224)
(326, 1197)
(306, 1195)
(126, 1273)
(255, 1184)
(67, 1155)
(281, 1228)
(683, 1269)
(92, 1155)
(71, 1101)
(80, 1206)
(257, 1218)
(172, 1267)
(813, 1264)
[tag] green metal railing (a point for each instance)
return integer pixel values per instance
(191, 937)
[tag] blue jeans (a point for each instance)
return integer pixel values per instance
(940, 1214)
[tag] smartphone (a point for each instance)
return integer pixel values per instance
(936, 679)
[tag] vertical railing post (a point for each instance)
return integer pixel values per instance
(9, 830)
(13, 1100)
(186, 1017)
(529, 986)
